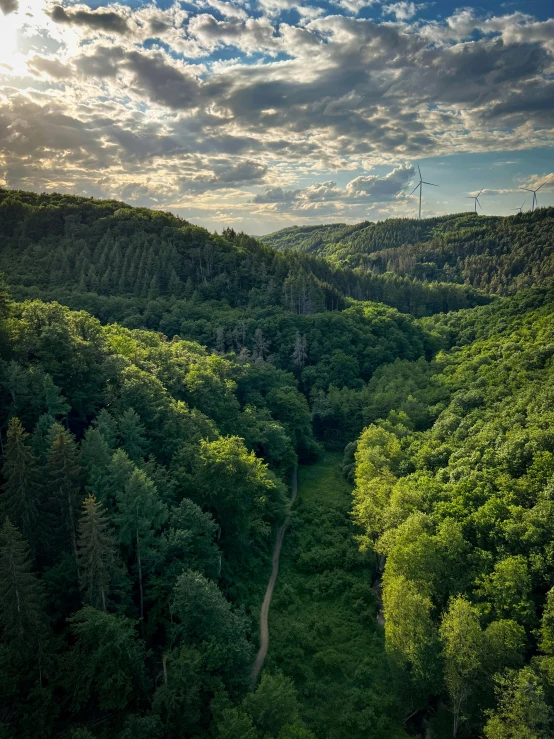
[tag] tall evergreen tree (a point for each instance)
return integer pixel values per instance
(140, 515)
(133, 435)
(22, 617)
(97, 554)
(64, 481)
(20, 498)
(96, 460)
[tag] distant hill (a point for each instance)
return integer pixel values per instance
(53, 245)
(496, 254)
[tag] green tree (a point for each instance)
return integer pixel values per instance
(463, 653)
(243, 495)
(178, 701)
(140, 515)
(20, 500)
(133, 435)
(274, 705)
(522, 711)
(64, 482)
(97, 553)
(22, 615)
(105, 665)
(235, 724)
(95, 460)
(411, 641)
(202, 616)
(508, 590)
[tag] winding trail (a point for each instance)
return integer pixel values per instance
(264, 614)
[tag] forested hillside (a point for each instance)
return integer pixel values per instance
(57, 245)
(499, 255)
(458, 505)
(158, 385)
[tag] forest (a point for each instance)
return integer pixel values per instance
(159, 385)
(497, 255)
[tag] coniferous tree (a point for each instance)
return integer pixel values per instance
(64, 481)
(140, 515)
(42, 437)
(96, 460)
(97, 554)
(107, 426)
(20, 498)
(22, 617)
(133, 435)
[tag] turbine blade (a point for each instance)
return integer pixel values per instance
(527, 189)
(419, 170)
(480, 191)
(428, 183)
(415, 188)
(539, 187)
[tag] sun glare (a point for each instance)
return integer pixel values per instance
(8, 39)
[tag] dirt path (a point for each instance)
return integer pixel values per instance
(264, 629)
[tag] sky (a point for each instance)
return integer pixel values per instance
(262, 114)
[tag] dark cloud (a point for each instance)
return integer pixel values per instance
(52, 67)
(246, 171)
(163, 82)
(96, 19)
(276, 195)
(8, 6)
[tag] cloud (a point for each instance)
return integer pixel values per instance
(8, 6)
(362, 189)
(109, 22)
(403, 11)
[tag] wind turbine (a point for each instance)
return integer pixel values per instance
(420, 185)
(520, 207)
(535, 199)
(476, 199)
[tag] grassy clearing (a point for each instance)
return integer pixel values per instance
(322, 622)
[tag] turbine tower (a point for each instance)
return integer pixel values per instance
(476, 199)
(420, 185)
(535, 199)
(520, 207)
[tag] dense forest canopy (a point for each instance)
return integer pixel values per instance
(159, 385)
(495, 254)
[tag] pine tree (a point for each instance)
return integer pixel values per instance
(140, 515)
(97, 554)
(55, 403)
(96, 460)
(133, 435)
(20, 499)
(22, 617)
(64, 481)
(43, 436)
(106, 424)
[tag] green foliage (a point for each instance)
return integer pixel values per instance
(105, 665)
(20, 500)
(522, 711)
(96, 553)
(500, 255)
